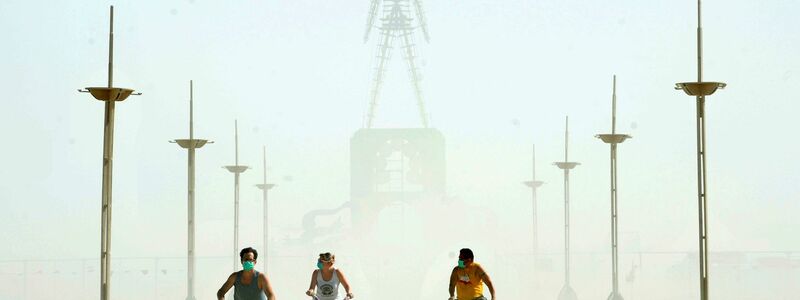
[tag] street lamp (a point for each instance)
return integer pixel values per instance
(566, 293)
(265, 187)
(110, 95)
(613, 139)
(191, 144)
(236, 169)
(534, 185)
(700, 90)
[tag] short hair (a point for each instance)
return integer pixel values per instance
(248, 250)
(466, 253)
(327, 256)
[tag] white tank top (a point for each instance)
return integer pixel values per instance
(328, 290)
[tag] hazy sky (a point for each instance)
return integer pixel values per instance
(497, 78)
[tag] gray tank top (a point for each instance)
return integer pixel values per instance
(328, 290)
(247, 292)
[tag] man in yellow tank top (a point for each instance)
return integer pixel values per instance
(468, 278)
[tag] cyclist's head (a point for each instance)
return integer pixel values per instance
(466, 255)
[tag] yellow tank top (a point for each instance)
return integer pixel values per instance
(469, 284)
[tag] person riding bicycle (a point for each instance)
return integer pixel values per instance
(248, 283)
(468, 277)
(325, 280)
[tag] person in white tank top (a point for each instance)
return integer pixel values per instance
(326, 279)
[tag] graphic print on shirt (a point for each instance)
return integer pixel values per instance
(326, 289)
(463, 279)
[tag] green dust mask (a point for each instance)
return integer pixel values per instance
(319, 265)
(248, 265)
(461, 264)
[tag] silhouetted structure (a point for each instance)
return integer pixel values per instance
(191, 144)
(396, 24)
(265, 187)
(700, 90)
(613, 139)
(567, 293)
(534, 185)
(236, 169)
(110, 95)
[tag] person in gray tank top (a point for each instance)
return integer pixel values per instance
(326, 279)
(248, 283)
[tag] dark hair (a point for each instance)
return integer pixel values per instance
(327, 256)
(466, 253)
(246, 250)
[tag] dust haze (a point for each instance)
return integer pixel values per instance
(395, 137)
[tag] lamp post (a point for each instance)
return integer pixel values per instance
(613, 139)
(566, 293)
(265, 187)
(110, 95)
(236, 169)
(534, 185)
(700, 90)
(191, 144)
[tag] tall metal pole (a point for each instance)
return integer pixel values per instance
(265, 187)
(566, 206)
(700, 90)
(266, 206)
(567, 293)
(701, 166)
(236, 170)
(614, 226)
(534, 185)
(191, 144)
(108, 152)
(613, 139)
(190, 207)
(109, 95)
(236, 201)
